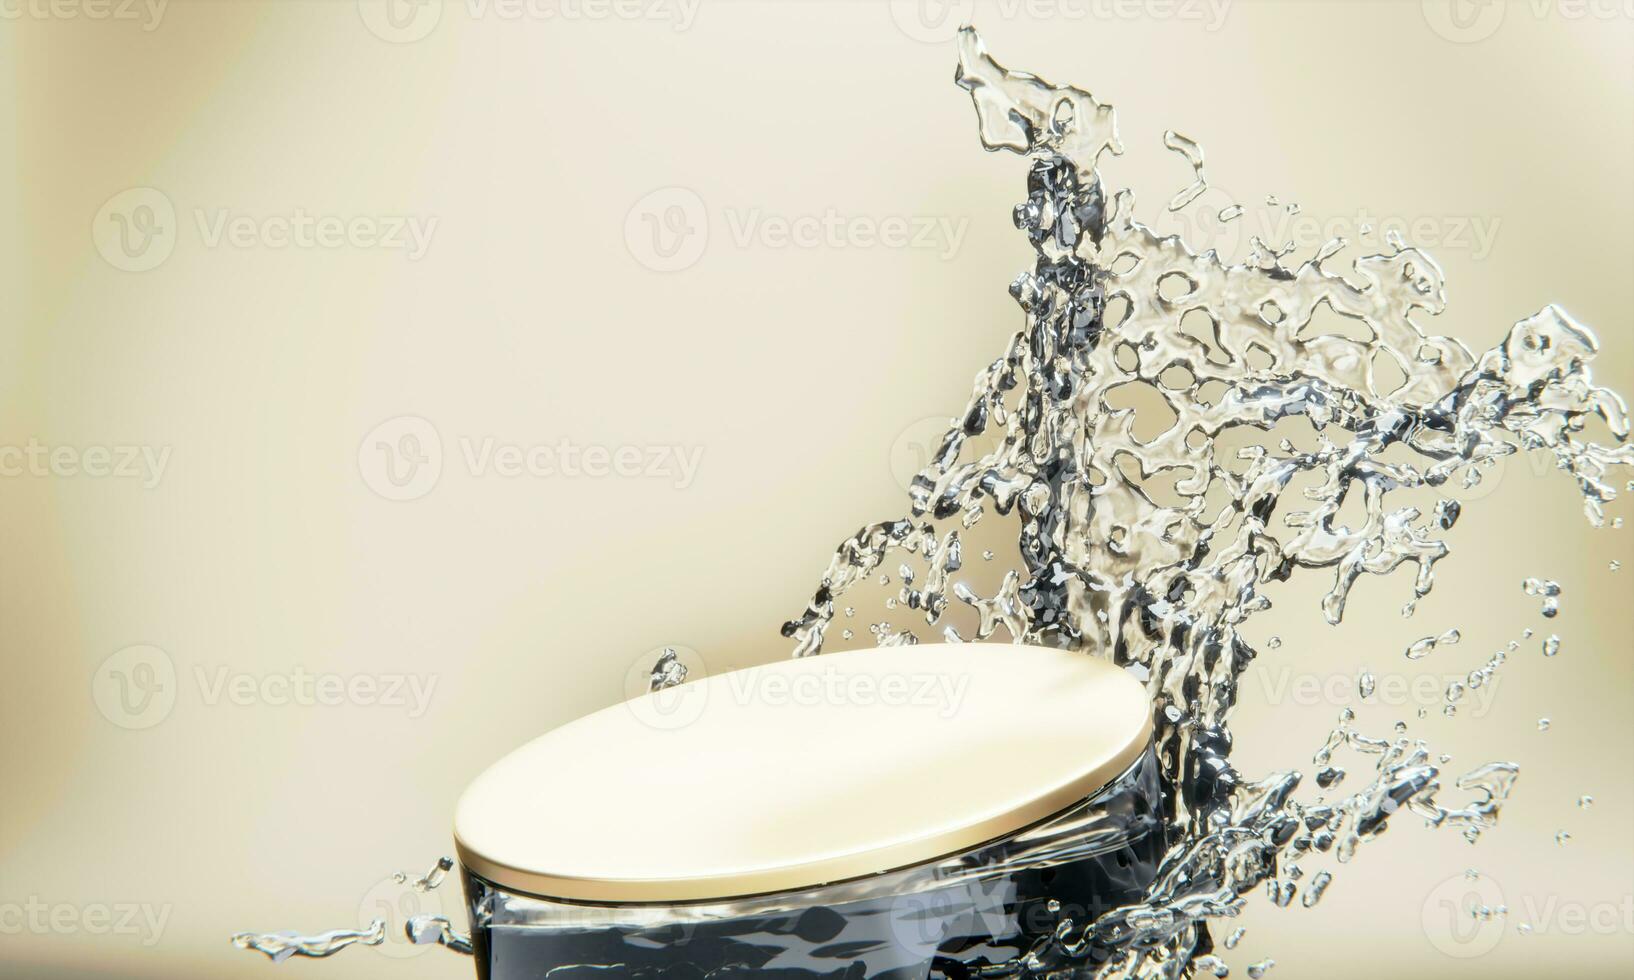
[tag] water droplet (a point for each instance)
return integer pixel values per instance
(1365, 683)
(1543, 724)
(1274, 642)
(1562, 837)
(1551, 646)
(1585, 801)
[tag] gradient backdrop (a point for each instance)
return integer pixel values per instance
(294, 292)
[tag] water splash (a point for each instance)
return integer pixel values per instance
(431, 879)
(1188, 148)
(280, 946)
(1152, 546)
(670, 671)
(1548, 590)
(1424, 647)
(420, 929)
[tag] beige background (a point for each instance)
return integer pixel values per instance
(802, 374)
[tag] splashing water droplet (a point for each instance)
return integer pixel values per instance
(1427, 645)
(1546, 589)
(1194, 156)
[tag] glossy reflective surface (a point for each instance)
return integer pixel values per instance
(985, 907)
